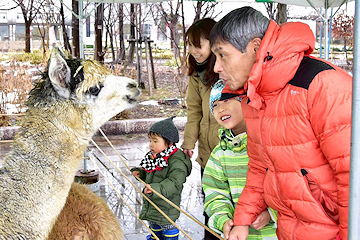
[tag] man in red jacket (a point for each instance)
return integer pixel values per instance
(297, 110)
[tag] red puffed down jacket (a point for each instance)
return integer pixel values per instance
(298, 117)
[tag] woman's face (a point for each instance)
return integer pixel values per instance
(200, 53)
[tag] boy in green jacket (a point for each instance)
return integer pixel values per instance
(225, 172)
(164, 169)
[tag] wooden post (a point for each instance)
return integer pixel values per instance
(138, 62)
(152, 63)
(138, 66)
(149, 70)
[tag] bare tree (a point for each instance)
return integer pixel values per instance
(122, 53)
(281, 16)
(46, 19)
(205, 9)
(277, 12)
(75, 29)
(168, 15)
(43, 30)
(132, 33)
(170, 12)
(29, 9)
(109, 22)
(64, 30)
(271, 10)
(343, 28)
(4, 6)
(99, 15)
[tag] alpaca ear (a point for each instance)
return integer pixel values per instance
(59, 73)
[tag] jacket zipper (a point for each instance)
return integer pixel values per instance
(305, 174)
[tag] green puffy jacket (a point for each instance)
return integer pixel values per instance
(169, 182)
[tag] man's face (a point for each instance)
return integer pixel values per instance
(232, 65)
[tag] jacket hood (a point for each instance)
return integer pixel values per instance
(229, 141)
(280, 53)
(187, 162)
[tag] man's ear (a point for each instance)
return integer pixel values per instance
(256, 42)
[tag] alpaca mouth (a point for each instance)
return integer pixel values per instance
(131, 99)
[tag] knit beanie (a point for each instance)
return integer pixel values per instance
(218, 93)
(167, 129)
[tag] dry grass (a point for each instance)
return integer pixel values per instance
(16, 81)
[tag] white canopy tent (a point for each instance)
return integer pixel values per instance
(354, 204)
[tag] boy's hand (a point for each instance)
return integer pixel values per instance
(148, 189)
(227, 228)
(239, 233)
(136, 173)
(261, 221)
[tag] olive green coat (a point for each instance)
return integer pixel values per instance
(169, 183)
(201, 124)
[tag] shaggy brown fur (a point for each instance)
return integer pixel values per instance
(85, 216)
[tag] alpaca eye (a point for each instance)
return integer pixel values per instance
(95, 90)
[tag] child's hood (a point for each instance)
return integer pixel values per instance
(186, 161)
(227, 139)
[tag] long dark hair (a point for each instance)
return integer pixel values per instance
(201, 29)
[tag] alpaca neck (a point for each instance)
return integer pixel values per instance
(46, 153)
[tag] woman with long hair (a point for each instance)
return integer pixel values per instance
(201, 125)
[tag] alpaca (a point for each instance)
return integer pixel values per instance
(85, 216)
(70, 103)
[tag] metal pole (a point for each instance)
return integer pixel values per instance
(354, 196)
(85, 159)
(326, 30)
(321, 37)
(330, 27)
(81, 41)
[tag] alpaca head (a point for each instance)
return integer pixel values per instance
(87, 86)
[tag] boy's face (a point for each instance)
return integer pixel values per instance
(228, 113)
(157, 144)
(232, 65)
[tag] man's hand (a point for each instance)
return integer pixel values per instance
(148, 189)
(136, 173)
(188, 152)
(227, 228)
(261, 221)
(239, 233)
